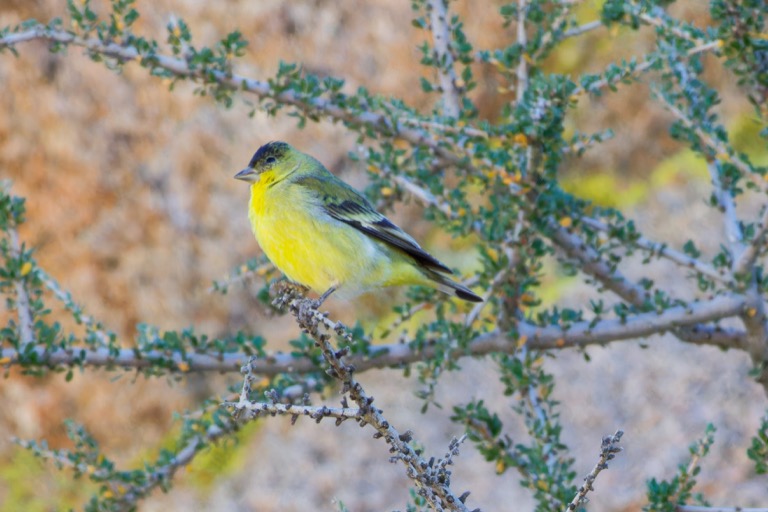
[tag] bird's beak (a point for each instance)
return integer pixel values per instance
(246, 174)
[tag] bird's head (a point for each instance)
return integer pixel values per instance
(276, 159)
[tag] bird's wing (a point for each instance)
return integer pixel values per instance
(347, 205)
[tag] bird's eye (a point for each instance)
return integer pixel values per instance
(271, 159)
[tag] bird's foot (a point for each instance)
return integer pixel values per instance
(286, 292)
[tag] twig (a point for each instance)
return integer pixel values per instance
(593, 264)
(438, 17)
(432, 479)
(242, 275)
(664, 251)
(642, 67)
(716, 146)
(423, 194)
(60, 459)
(130, 494)
(281, 404)
(582, 29)
(182, 459)
(667, 27)
(23, 307)
(534, 405)
(609, 447)
(745, 262)
(513, 256)
(578, 334)
(733, 231)
(555, 26)
(754, 315)
(316, 413)
(102, 336)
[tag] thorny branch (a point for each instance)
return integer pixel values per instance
(578, 334)
(609, 447)
(431, 477)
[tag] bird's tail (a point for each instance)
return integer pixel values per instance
(451, 287)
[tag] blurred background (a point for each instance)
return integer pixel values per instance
(132, 207)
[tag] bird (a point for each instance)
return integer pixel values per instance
(323, 234)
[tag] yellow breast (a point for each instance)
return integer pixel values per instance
(310, 247)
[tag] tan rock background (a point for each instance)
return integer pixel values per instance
(132, 208)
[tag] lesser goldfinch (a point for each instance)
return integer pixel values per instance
(325, 235)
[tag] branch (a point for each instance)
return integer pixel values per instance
(423, 194)
(644, 66)
(582, 334)
(183, 458)
(594, 265)
(746, 261)
(432, 477)
(608, 450)
(582, 29)
(123, 492)
(733, 231)
(599, 269)
(668, 27)
(23, 307)
(754, 315)
(438, 21)
(179, 68)
(242, 275)
(664, 251)
(556, 25)
(316, 413)
(91, 325)
(579, 334)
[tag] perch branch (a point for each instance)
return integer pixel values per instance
(432, 478)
